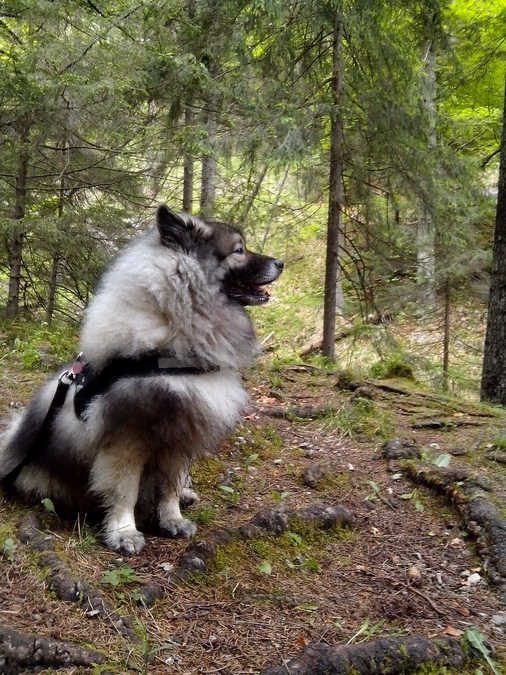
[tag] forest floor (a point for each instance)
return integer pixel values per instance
(406, 555)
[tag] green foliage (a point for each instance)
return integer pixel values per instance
(393, 367)
(37, 345)
(366, 631)
(360, 417)
(8, 548)
(119, 576)
(49, 506)
(477, 641)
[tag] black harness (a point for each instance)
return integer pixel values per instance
(90, 383)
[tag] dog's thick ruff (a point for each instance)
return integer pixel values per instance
(180, 288)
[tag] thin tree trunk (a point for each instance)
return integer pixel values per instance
(254, 193)
(446, 335)
(267, 228)
(333, 293)
(188, 167)
(426, 229)
(493, 381)
(16, 248)
(55, 265)
(208, 185)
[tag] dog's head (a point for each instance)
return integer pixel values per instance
(245, 273)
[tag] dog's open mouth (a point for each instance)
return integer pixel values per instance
(247, 294)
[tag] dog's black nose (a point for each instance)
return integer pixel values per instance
(279, 264)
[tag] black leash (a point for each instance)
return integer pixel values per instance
(41, 436)
(90, 384)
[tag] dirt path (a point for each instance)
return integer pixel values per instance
(247, 599)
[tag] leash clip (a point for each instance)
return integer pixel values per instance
(74, 370)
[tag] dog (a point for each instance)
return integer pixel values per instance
(162, 343)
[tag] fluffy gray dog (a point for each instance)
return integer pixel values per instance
(162, 342)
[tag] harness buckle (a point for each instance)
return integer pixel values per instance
(69, 376)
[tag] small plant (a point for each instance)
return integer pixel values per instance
(264, 567)
(86, 539)
(204, 514)
(442, 460)
(414, 497)
(49, 506)
(232, 493)
(117, 577)
(393, 367)
(8, 548)
(375, 491)
(500, 442)
(279, 496)
(477, 641)
(366, 631)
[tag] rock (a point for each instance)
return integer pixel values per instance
(397, 448)
(313, 475)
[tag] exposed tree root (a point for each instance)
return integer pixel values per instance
(274, 520)
(385, 656)
(19, 651)
(470, 495)
(61, 581)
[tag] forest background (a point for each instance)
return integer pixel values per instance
(260, 114)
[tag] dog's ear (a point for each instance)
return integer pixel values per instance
(174, 231)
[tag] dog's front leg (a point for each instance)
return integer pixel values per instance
(174, 473)
(115, 478)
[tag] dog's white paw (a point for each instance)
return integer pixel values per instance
(126, 541)
(188, 497)
(180, 527)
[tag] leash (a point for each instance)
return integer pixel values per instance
(41, 436)
(90, 384)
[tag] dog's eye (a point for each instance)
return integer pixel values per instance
(239, 249)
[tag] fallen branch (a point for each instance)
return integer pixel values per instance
(388, 656)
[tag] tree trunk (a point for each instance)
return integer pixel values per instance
(446, 335)
(426, 229)
(333, 292)
(493, 381)
(188, 167)
(55, 266)
(16, 248)
(254, 193)
(208, 185)
(267, 228)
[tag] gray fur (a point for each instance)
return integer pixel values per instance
(168, 290)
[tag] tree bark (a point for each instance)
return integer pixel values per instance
(493, 380)
(188, 167)
(333, 293)
(267, 228)
(55, 265)
(254, 193)
(208, 184)
(16, 248)
(426, 229)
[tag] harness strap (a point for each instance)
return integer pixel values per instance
(91, 384)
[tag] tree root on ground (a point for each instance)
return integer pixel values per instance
(19, 651)
(388, 656)
(61, 581)
(469, 493)
(275, 520)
